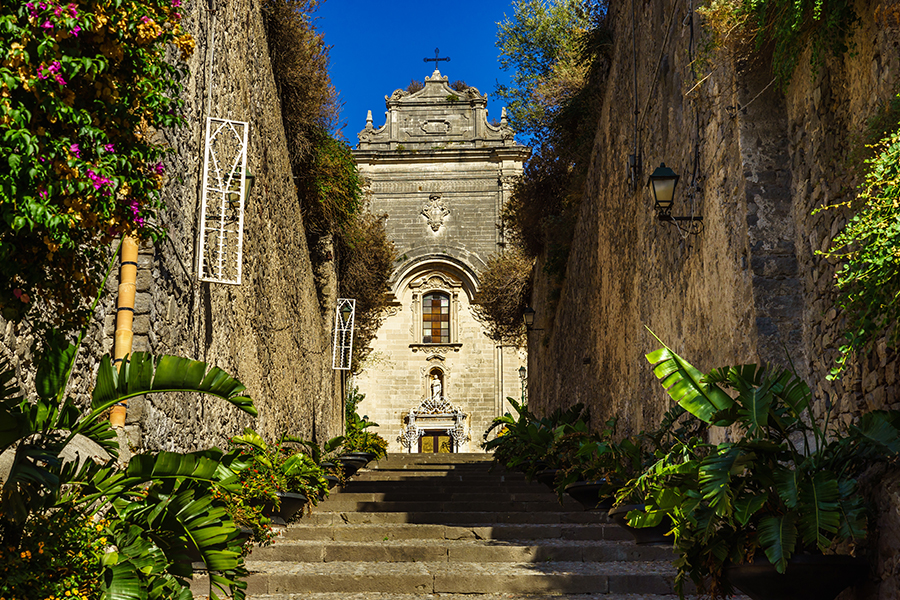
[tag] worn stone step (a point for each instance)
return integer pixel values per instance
(425, 487)
(460, 550)
(433, 476)
(398, 596)
(401, 495)
(337, 503)
(410, 531)
(323, 516)
(654, 577)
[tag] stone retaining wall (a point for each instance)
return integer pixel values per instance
(269, 332)
(750, 287)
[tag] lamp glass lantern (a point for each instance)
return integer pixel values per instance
(522, 373)
(662, 183)
(528, 316)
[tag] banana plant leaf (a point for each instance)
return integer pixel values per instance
(778, 536)
(686, 386)
(145, 374)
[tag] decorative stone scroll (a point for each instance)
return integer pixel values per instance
(434, 212)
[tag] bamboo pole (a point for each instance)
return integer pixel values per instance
(124, 317)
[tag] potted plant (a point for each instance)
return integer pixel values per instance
(659, 454)
(784, 489)
(525, 443)
(276, 480)
(593, 465)
(359, 446)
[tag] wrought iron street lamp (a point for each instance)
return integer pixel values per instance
(528, 316)
(662, 184)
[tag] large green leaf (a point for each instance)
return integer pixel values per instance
(778, 538)
(747, 505)
(819, 496)
(144, 374)
(684, 383)
(53, 368)
(878, 430)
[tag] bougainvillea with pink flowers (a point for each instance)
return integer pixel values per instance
(82, 87)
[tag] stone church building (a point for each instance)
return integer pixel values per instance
(441, 172)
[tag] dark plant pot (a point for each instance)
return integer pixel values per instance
(351, 464)
(642, 535)
(367, 456)
(291, 504)
(587, 493)
(547, 477)
(332, 481)
(807, 577)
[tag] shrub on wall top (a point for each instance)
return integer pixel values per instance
(82, 87)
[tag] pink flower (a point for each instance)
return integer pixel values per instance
(176, 3)
(145, 20)
(98, 181)
(74, 149)
(73, 11)
(159, 168)
(47, 25)
(110, 148)
(176, 16)
(76, 31)
(42, 6)
(57, 11)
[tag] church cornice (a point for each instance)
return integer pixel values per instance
(395, 156)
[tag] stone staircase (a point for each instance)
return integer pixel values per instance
(420, 526)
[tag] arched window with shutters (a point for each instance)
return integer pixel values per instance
(436, 318)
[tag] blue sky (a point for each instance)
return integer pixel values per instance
(378, 47)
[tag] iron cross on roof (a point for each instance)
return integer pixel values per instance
(436, 60)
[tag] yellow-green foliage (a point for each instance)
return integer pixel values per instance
(869, 248)
(82, 85)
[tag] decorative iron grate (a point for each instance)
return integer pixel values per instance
(222, 206)
(344, 314)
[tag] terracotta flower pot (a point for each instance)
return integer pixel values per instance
(642, 535)
(807, 577)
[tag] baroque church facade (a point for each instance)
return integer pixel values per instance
(441, 172)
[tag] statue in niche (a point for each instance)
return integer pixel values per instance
(435, 389)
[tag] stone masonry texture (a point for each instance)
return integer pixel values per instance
(751, 287)
(269, 332)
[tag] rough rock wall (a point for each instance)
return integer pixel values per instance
(269, 332)
(750, 287)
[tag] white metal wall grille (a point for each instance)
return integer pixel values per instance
(344, 315)
(222, 207)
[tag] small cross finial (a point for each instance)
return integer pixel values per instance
(436, 60)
